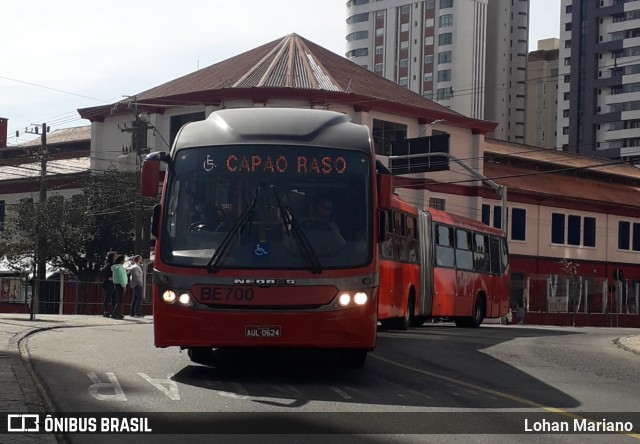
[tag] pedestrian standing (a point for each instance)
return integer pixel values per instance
(136, 287)
(120, 281)
(106, 275)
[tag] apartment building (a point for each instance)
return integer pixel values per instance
(468, 55)
(599, 78)
(542, 95)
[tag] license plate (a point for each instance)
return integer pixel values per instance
(262, 331)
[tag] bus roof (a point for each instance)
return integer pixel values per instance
(280, 126)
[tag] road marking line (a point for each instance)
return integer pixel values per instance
(489, 391)
(339, 392)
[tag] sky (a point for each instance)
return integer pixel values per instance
(59, 56)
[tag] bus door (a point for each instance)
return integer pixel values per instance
(426, 255)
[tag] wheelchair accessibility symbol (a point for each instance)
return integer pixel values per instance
(262, 249)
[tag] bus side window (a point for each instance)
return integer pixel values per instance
(412, 247)
(505, 253)
(464, 256)
(386, 247)
(481, 253)
(444, 246)
(495, 255)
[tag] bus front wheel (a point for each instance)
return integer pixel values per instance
(353, 358)
(200, 355)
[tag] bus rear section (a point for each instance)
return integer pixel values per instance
(265, 234)
(470, 274)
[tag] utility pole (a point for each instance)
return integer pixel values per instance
(41, 242)
(138, 132)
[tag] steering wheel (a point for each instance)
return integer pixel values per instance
(199, 226)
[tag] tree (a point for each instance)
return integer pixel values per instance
(79, 231)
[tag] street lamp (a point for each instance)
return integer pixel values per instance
(424, 130)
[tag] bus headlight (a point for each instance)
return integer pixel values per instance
(169, 296)
(344, 299)
(185, 299)
(360, 298)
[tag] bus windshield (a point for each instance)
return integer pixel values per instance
(268, 207)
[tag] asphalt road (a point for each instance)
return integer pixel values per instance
(436, 378)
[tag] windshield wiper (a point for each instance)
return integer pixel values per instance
(238, 227)
(291, 227)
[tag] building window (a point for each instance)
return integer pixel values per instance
(443, 93)
(428, 58)
(379, 49)
(446, 4)
(486, 214)
(378, 67)
(444, 57)
(431, 4)
(359, 35)
(445, 39)
(627, 239)
(405, 9)
(578, 230)
(567, 26)
(444, 75)
(438, 204)
(359, 52)
(404, 63)
(403, 81)
(428, 77)
(364, 17)
(589, 232)
(518, 224)
(567, 61)
(446, 20)
(557, 228)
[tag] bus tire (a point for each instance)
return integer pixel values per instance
(478, 313)
(405, 322)
(353, 357)
(418, 321)
(200, 355)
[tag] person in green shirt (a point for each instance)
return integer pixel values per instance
(120, 281)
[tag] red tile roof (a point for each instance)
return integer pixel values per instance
(294, 68)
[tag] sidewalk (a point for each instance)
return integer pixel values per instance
(18, 391)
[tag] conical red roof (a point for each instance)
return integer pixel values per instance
(294, 68)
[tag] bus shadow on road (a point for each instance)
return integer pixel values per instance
(421, 367)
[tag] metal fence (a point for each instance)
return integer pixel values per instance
(64, 294)
(575, 300)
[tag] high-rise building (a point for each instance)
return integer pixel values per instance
(542, 95)
(599, 78)
(468, 55)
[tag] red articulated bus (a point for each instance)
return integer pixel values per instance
(436, 264)
(272, 231)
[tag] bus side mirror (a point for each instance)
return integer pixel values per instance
(150, 177)
(385, 188)
(155, 219)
